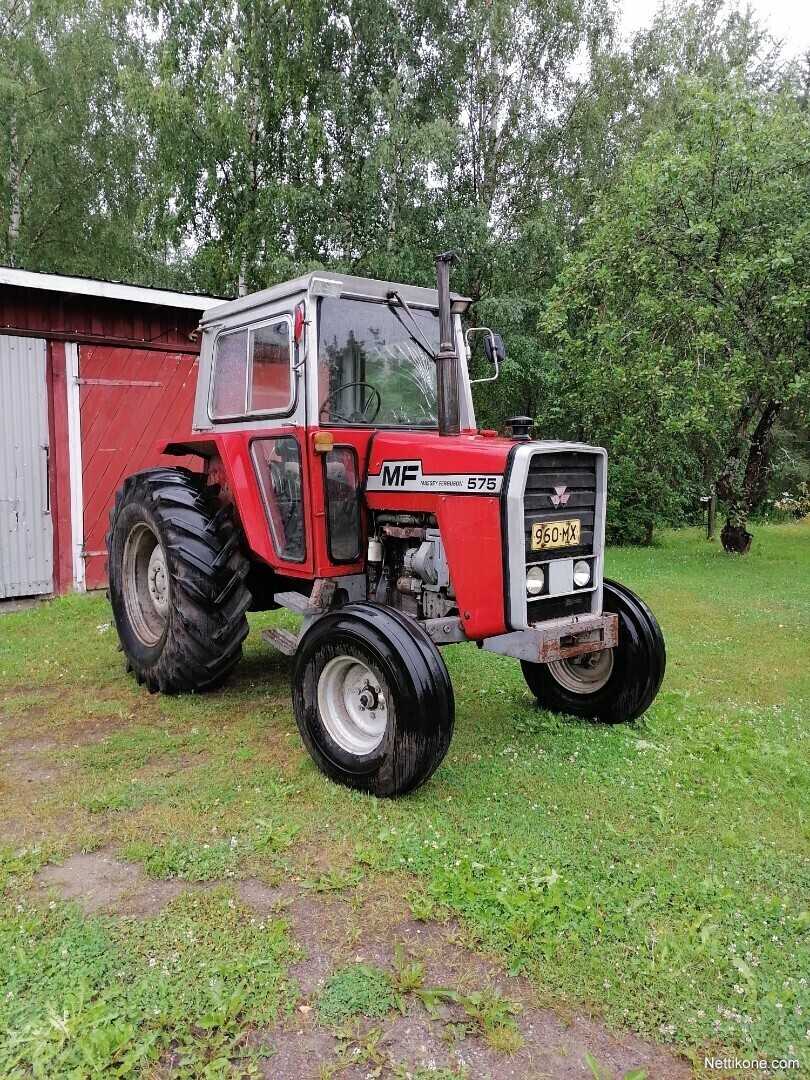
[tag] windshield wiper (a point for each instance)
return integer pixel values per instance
(423, 344)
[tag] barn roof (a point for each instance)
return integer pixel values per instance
(111, 290)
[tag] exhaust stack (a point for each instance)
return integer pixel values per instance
(447, 357)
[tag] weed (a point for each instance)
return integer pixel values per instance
(422, 1072)
(422, 907)
(357, 990)
(189, 861)
(600, 1072)
(408, 974)
(272, 836)
(18, 865)
(334, 880)
(493, 1016)
(357, 1046)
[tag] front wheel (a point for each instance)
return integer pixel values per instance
(614, 685)
(372, 699)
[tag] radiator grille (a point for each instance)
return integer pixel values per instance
(548, 475)
(547, 472)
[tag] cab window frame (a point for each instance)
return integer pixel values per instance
(249, 329)
(343, 446)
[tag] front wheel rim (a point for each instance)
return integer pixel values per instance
(145, 584)
(353, 703)
(583, 674)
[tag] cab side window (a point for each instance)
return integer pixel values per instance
(271, 368)
(252, 372)
(230, 373)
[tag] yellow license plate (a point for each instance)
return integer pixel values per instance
(555, 534)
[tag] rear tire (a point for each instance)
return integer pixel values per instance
(176, 581)
(613, 686)
(372, 699)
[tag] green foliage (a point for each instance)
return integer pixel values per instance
(357, 990)
(677, 329)
(619, 209)
(797, 504)
(600, 1072)
(72, 196)
(18, 865)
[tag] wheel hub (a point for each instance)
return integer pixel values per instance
(583, 674)
(145, 584)
(158, 583)
(352, 705)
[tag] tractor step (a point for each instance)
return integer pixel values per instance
(283, 640)
(293, 601)
(315, 604)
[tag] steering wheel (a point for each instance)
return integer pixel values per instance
(359, 416)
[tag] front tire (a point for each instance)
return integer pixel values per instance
(372, 699)
(613, 686)
(176, 581)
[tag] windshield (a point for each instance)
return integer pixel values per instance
(373, 366)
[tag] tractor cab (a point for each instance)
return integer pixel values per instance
(332, 351)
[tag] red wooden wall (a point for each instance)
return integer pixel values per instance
(129, 400)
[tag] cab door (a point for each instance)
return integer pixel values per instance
(255, 391)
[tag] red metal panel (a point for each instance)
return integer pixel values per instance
(471, 533)
(470, 523)
(121, 425)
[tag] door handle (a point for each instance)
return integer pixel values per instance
(47, 450)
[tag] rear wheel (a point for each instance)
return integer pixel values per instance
(372, 699)
(614, 685)
(176, 581)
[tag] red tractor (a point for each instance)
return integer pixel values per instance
(343, 478)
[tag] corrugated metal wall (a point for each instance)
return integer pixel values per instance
(26, 528)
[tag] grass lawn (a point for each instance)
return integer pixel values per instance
(656, 873)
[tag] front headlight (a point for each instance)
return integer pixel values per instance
(582, 573)
(535, 580)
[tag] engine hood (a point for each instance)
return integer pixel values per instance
(427, 464)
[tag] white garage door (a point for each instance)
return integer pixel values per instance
(26, 529)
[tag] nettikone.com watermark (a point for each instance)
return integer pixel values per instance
(752, 1064)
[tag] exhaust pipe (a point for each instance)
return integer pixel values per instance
(447, 357)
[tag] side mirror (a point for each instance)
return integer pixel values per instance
(494, 348)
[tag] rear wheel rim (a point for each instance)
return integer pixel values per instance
(353, 703)
(583, 674)
(145, 584)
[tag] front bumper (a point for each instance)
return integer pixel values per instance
(558, 639)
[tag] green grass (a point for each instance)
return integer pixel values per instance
(98, 997)
(657, 872)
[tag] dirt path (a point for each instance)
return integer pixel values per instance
(332, 933)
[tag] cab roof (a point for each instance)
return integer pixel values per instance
(325, 283)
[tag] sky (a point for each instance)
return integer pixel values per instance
(787, 19)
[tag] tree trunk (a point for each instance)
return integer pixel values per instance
(735, 537)
(14, 181)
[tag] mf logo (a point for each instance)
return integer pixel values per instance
(561, 497)
(399, 475)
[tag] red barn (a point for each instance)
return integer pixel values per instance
(92, 375)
